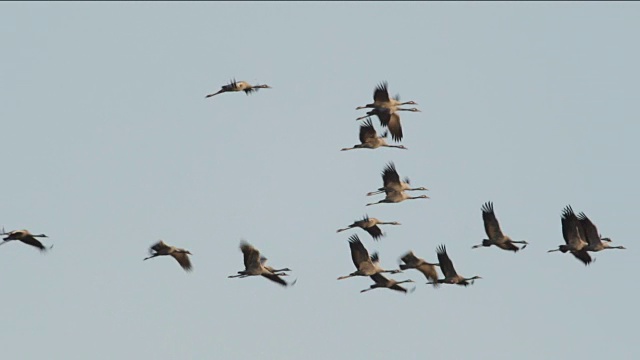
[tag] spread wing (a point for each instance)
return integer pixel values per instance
(251, 255)
(158, 247)
(571, 230)
(445, 263)
(390, 175)
(183, 260)
(275, 278)
(589, 229)
(367, 131)
(395, 128)
(30, 240)
(583, 256)
(410, 259)
(381, 94)
(374, 231)
(359, 254)
(491, 225)
(429, 271)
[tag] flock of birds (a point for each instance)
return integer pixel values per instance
(581, 236)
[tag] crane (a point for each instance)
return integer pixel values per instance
(366, 265)
(391, 181)
(380, 281)
(594, 239)
(411, 261)
(369, 139)
(450, 274)
(254, 265)
(235, 86)
(573, 236)
(26, 237)
(162, 249)
(496, 237)
(390, 119)
(370, 225)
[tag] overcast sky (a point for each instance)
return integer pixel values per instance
(110, 145)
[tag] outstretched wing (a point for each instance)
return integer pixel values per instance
(410, 259)
(571, 230)
(390, 176)
(589, 229)
(275, 278)
(30, 240)
(251, 255)
(395, 128)
(183, 260)
(445, 263)
(358, 252)
(374, 231)
(491, 225)
(381, 94)
(583, 256)
(367, 131)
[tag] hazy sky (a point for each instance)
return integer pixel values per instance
(109, 145)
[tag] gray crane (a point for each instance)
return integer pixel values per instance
(369, 139)
(381, 98)
(380, 281)
(595, 241)
(162, 249)
(366, 265)
(235, 86)
(574, 237)
(396, 197)
(26, 237)
(411, 261)
(496, 237)
(370, 225)
(391, 181)
(450, 274)
(255, 265)
(390, 119)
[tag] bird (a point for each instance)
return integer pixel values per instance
(396, 197)
(26, 237)
(450, 274)
(391, 181)
(574, 237)
(496, 237)
(235, 86)
(594, 239)
(411, 261)
(381, 98)
(369, 139)
(181, 255)
(382, 282)
(370, 225)
(389, 118)
(366, 265)
(254, 265)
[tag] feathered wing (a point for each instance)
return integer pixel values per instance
(374, 231)
(394, 126)
(583, 256)
(491, 225)
(367, 131)
(429, 272)
(275, 278)
(359, 254)
(251, 255)
(381, 94)
(158, 247)
(390, 176)
(410, 260)
(183, 260)
(445, 263)
(589, 230)
(30, 240)
(571, 230)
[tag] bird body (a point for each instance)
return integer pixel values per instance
(381, 281)
(413, 262)
(391, 182)
(235, 86)
(370, 225)
(496, 237)
(162, 249)
(366, 265)
(449, 272)
(255, 265)
(574, 237)
(595, 242)
(369, 139)
(26, 237)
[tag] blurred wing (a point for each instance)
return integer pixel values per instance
(583, 256)
(381, 94)
(30, 240)
(409, 258)
(275, 278)
(251, 255)
(183, 260)
(395, 128)
(589, 230)
(445, 263)
(390, 175)
(358, 253)
(367, 131)
(374, 231)
(429, 272)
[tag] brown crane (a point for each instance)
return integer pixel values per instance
(449, 272)
(574, 237)
(162, 249)
(411, 261)
(370, 225)
(26, 237)
(235, 86)
(380, 281)
(369, 139)
(496, 237)
(595, 241)
(255, 265)
(366, 265)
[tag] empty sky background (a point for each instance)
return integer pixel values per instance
(108, 145)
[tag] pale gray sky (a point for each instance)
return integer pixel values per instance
(110, 145)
